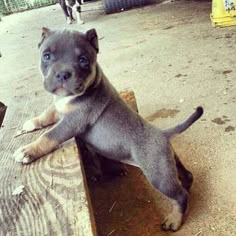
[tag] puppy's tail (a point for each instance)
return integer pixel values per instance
(187, 123)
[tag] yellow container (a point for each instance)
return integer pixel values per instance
(223, 13)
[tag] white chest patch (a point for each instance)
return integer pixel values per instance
(64, 106)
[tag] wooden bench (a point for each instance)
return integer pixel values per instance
(54, 198)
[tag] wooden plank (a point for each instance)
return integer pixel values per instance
(129, 97)
(54, 199)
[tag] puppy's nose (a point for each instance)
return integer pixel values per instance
(63, 75)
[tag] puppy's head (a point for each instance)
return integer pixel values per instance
(68, 61)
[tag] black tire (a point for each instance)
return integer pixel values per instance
(112, 6)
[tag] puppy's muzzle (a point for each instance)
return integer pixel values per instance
(63, 76)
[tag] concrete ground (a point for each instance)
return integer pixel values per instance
(174, 60)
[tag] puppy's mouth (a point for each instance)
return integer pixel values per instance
(62, 91)
(74, 85)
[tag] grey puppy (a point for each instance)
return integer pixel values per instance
(86, 105)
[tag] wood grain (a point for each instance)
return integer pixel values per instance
(55, 199)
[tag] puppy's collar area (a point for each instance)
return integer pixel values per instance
(95, 82)
(89, 91)
(93, 85)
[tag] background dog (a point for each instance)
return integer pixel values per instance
(68, 6)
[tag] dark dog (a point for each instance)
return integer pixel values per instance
(87, 106)
(68, 6)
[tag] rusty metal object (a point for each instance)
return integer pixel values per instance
(3, 109)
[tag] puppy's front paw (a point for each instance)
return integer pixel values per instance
(24, 154)
(172, 222)
(31, 125)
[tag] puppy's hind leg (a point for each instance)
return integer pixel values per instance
(162, 174)
(180, 198)
(92, 164)
(185, 176)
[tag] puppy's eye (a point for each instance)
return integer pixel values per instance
(46, 56)
(83, 62)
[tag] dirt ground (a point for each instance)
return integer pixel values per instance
(174, 60)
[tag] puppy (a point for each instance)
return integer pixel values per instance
(88, 107)
(68, 6)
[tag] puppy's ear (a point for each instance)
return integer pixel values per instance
(92, 37)
(45, 33)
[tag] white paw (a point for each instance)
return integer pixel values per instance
(69, 21)
(29, 125)
(172, 222)
(21, 156)
(80, 22)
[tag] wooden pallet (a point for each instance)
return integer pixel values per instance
(54, 198)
